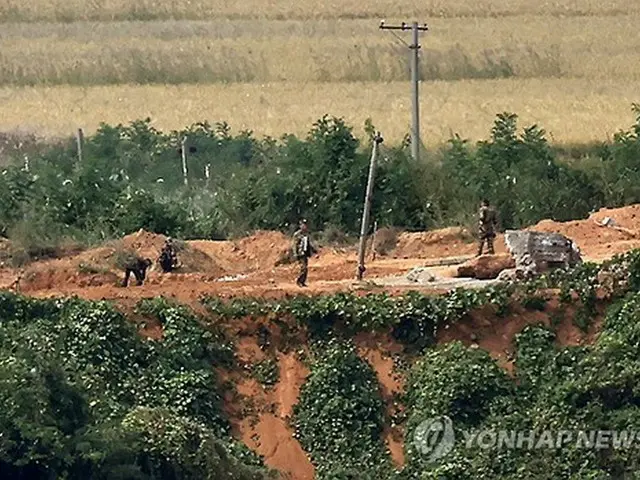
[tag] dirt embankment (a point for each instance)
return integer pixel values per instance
(260, 416)
(250, 266)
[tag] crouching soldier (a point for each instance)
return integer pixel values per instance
(168, 258)
(138, 266)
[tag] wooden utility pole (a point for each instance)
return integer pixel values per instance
(415, 80)
(367, 207)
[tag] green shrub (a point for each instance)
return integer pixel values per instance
(84, 396)
(131, 178)
(340, 415)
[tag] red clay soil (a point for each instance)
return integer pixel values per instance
(258, 252)
(259, 416)
(447, 242)
(90, 274)
(597, 242)
(496, 335)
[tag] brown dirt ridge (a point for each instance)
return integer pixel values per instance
(250, 267)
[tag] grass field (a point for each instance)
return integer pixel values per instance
(274, 67)
(571, 110)
(106, 10)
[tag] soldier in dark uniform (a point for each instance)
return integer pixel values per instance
(487, 223)
(302, 250)
(138, 266)
(168, 258)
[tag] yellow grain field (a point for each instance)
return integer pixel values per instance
(270, 51)
(572, 66)
(105, 10)
(571, 110)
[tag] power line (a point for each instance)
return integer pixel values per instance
(415, 47)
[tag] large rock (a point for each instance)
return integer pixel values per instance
(537, 252)
(420, 275)
(486, 267)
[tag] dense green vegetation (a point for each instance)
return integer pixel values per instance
(131, 178)
(571, 389)
(340, 415)
(84, 396)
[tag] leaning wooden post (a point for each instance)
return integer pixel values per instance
(367, 207)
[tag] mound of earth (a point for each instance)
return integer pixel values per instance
(258, 252)
(149, 245)
(53, 276)
(628, 217)
(595, 240)
(433, 244)
(486, 267)
(103, 265)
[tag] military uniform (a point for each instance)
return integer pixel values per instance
(137, 266)
(302, 250)
(168, 258)
(487, 222)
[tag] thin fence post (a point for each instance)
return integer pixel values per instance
(80, 143)
(184, 161)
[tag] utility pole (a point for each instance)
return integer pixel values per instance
(367, 207)
(415, 79)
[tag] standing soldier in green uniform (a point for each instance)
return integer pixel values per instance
(487, 223)
(168, 258)
(302, 250)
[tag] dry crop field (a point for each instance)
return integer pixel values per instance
(275, 66)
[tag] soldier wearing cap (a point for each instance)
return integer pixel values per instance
(302, 250)
(168, 258)
(487, 223)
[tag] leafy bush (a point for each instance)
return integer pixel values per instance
(340, 416)
(267, 372)
(576, 388)
(84, 396)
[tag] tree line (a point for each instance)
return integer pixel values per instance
(131, 177)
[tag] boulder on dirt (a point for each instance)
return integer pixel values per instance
(537, 252)
(420, 275)
(486, 267)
